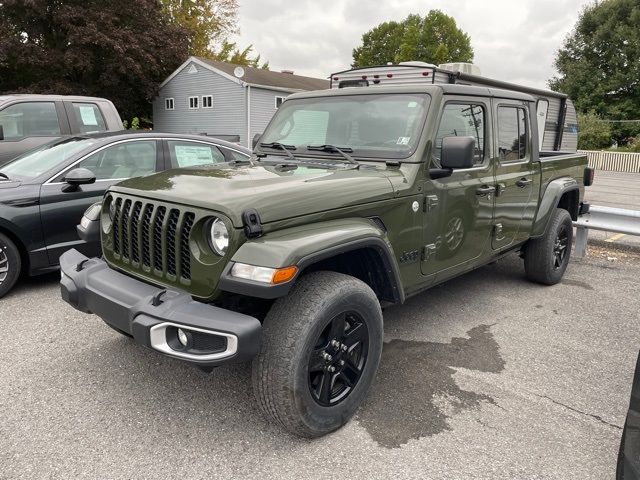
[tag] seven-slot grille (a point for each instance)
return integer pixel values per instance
(153, 238)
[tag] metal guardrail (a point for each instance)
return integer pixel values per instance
(611, 219)
(613, 161)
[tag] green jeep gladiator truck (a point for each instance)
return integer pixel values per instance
(355, 199)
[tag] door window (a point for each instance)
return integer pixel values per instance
(192, 154)
(512, 133)
(88, 117)
(29, 119)
(123, 160)
(461, 120)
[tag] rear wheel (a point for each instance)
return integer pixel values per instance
(10, 265)
(320, 352)
(546, 258)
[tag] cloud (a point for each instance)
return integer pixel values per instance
(513, 41)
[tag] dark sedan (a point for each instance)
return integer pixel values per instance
(629, 454)
(44, 193)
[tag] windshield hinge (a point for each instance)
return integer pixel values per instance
(252, 225)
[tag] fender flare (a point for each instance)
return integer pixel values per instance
(306, 245)
(549, 202)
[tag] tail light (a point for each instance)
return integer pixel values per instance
(589, 174)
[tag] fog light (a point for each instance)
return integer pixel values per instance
(182, 337)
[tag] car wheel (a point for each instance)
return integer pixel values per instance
(10, 265)
(546, 258)
(320, 352)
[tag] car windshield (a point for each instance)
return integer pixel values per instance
(36, 162)
(372, 125)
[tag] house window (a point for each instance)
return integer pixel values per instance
(279, 101)
(193, 102)
(168, 103)
(207, 101)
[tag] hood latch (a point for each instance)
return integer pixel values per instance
(252, 225)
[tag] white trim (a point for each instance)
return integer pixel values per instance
(249, 139)
(225, 75)
(173, 103)
(204, 65)
(279, 89)
(203, 102)
(276, 101)
(197, 102)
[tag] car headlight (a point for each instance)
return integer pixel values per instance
(93, 212)
(219, 236)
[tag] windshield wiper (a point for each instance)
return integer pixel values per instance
(333, 149)
(281, 146)
(4, 175)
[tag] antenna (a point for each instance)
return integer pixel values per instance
(238, 72)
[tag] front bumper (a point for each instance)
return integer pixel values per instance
(152, 315)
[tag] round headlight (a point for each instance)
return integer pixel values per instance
(219, 236)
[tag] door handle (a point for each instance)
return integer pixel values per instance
(482, 191)
(523, 182)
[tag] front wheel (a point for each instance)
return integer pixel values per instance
(546, 258)
(10, 265)
(320, 351)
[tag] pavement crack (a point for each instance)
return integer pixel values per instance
(595, 417)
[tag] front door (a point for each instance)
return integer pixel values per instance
(61, 208)
(517, 178)
(459, 208)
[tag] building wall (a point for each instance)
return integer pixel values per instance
(263, 107)
(227, 117)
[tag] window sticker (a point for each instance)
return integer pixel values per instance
(403, 140)
(190, 156)
(412, 104)
(88, 115)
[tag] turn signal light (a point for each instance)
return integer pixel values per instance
(284, 274)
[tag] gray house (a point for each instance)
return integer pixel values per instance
(224, 100)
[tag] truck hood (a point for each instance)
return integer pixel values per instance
(276, 193)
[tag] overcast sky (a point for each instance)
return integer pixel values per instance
(513, 40)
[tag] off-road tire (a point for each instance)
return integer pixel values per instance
(540, 257)
(281, 378)
(9, 259)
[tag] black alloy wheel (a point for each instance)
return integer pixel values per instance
(338, 359)
(560, 247)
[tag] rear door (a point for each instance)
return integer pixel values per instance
(85, 117)
(515, 170)
(29, 124)
(458, 216)
(61, 209)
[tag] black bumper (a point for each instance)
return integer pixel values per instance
(151, 315)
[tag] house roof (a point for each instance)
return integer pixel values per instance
(269, 78)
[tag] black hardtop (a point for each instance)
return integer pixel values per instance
(447, 89)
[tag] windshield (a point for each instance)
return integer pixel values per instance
(36, 162)
(380, 125)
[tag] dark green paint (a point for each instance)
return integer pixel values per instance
(305, 210)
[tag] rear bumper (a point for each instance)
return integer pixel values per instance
(152, 315)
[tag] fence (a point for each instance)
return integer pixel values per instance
(614, 161)
(608, 219)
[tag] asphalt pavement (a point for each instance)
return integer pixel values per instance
(487, 377)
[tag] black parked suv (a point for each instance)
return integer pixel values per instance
(44, 193)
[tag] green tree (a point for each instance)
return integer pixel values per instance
(434, 38)
(599, 64)
(595, 133)
(119, 49)
(229, 52)
(209, 23)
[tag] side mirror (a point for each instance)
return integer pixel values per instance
(1, 133)
(255, 140)
(457, 152)
(80, 176)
